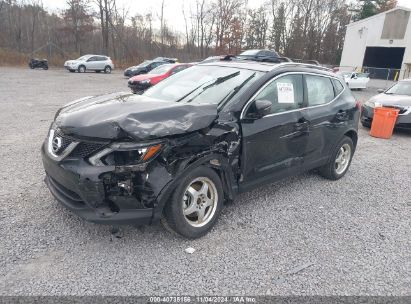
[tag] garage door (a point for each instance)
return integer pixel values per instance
(379, 60)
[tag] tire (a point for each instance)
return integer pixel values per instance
(366, 125)
(107, 69)
(336, 169)
(31, 67)
(81, 69)
(45, 68)
(192, 195)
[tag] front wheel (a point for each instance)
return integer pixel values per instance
(340, 160)
(196, 203)
(81, 69)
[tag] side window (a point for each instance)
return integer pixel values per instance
(101, 58)
(338, 86)
(284, 93)
(92, 59)
(319, 90)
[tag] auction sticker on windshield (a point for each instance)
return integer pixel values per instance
(285, 92)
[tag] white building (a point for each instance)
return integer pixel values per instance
(381, 41)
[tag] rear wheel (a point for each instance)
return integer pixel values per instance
(196, 203)
(340, 160)
(81, 69)
(107, 70)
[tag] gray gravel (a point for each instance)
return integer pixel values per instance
(304, 235)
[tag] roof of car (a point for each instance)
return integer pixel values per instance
(264, 66)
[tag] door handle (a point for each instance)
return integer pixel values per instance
(342, 115)
(299, 126)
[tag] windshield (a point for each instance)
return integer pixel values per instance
(144, 63)
(83, 58)
(161, 69)
(401, 88)
(249, 53)
(204, 84)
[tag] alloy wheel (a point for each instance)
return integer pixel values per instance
(343, 159)
(200, 202)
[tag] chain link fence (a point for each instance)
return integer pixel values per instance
(379, 73)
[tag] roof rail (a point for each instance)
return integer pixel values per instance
(305, 65)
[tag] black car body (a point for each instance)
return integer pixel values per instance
(261, 55)
(147, 66)
(39, 63)
(95, 156)
(397, 97)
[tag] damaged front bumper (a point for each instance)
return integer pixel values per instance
(99, 194)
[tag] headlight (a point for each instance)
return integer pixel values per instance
(370, 104)
(125, 154)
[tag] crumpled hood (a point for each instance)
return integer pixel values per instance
(392, 100)
(120, 115)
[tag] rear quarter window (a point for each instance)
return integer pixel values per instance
(338, 86)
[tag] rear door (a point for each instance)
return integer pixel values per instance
(324, 116)
(101, 63)
(273, 146)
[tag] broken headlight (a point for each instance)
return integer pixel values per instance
(125, 154)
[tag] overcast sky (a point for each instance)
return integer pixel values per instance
(172, 8)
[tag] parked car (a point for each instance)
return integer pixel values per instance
(355, 80)
(97, 63)
(261, 55)
(39, 63)
(138, 84)
(196, 140)
(147, 66)
(219, 58)
(398, 97)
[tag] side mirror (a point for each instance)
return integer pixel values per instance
(262, 108)
(380, 91)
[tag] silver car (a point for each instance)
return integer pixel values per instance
(95, 63)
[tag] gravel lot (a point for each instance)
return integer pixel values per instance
(301, 236)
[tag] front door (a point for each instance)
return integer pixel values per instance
(273, 146)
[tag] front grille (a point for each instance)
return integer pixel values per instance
(84, 149)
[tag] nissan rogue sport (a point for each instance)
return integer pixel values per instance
(197, 139)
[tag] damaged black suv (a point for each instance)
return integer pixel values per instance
(196, 140)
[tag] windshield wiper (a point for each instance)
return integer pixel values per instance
(218, 81)
(235, 90)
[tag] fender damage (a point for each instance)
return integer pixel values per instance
(190, 135)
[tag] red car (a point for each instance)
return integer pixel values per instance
(138, 84)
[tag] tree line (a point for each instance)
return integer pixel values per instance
(303, 29)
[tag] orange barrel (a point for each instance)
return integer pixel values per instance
(383, 122)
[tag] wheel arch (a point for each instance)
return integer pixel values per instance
(216, 161)
(353, 135)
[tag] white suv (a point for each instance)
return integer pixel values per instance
(95, 63)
